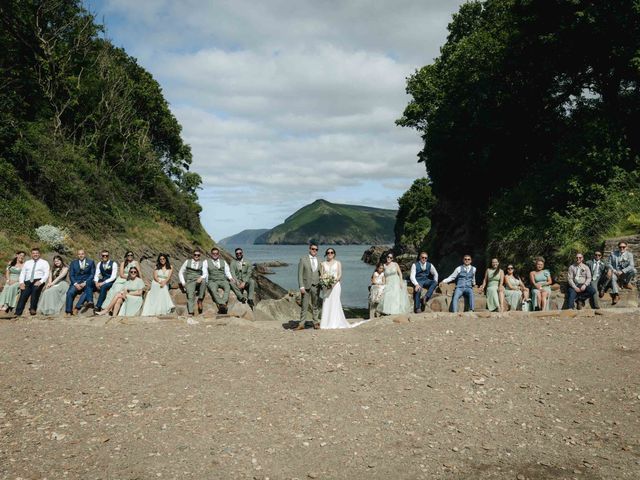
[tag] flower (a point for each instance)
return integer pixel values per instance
(327, 281)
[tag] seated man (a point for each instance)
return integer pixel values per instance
(579, 289)
(219, 277)
(465, 278)
(106, 273)
(600, 277)
(81, 273)
(33, 277)
(242, 272)
(423, 275)
(193, 278)
(622, 270)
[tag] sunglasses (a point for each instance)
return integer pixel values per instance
(133, 271)
(423, 258)
(105, 256)
(196, 254)
(129, 254)
(331, 253)
(313, 248)
(509, 268)
(467, 259)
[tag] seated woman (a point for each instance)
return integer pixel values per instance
(493, 280)
(127, 302)
(541, 281)
(515, 293)
(121, 279)
(54, 295)
(9, 294)
(158, 300)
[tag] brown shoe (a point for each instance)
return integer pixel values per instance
(316, 326)
(614, 298)
(579, 305)
(300, 326)
(627, 287)
(199, 306)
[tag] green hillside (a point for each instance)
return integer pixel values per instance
(245, 237)
(331, 223)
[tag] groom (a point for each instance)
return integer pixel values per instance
(308, 280)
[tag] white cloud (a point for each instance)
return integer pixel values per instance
(285, 102)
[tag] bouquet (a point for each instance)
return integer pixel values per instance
(327, 281)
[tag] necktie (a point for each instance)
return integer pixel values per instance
(33, 270)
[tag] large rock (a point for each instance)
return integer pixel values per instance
(373, 254)
(283, 310)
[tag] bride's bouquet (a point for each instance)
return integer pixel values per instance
(327, 281)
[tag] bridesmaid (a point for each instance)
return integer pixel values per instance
(541, 281)
(493, 280)
(395, 298)
(158, 300)
(9, 294)
(128, 301)
(54, 295)
(123, 274)
(515, 292)
(376, 289)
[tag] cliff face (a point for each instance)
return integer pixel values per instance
(331, 223)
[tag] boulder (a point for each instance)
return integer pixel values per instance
(373, 254)
(283, 310)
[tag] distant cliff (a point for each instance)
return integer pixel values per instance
(332, 223)
(245, 237)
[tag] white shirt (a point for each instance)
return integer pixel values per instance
(412, 276)
(227, 272)
(457, 271)
(41, 271)
(314, 262)
(114, 273)
(183, 268)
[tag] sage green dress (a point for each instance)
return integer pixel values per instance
(132, 304)
(540, 277)
(158, 300)
(53, 298)
(512, 292)
(118, 283)
(493, 283)
(9, 294)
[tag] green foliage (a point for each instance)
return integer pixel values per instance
(83, 128)
(413, 218)
(543, 99)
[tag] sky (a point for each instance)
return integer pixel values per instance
(285, 102)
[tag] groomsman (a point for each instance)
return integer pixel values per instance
(242, 272)
(465, 278)
(106, 273)
(580, 289)
(193, 278)
(33, 277)
(81, 273)
(600, 277)
(308, 280)
(219, 277)
(423, 275)
(622, 270)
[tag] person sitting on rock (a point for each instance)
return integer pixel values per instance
(600, 276)
(193, 278)
(242, 272)
(465, 278)
(423, 276)
(622, 270)
(219, 277)
(579, 289)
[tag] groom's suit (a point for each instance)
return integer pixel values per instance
(309, 279)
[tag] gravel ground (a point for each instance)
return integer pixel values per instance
(434, 396)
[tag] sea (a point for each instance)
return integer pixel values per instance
(356, 275)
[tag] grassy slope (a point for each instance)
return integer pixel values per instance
(334, 223)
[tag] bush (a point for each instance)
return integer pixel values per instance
(53, 236)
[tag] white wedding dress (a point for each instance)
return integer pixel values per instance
(332, 313)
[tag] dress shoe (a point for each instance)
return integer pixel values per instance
(199, 306)
(32, 312)
(417, 310)
(299, 327)
(614, 298)
(578, 304)
(222, 308)
(86, 307)
(316, 326)
(250, 303)
(601, 293)
(243, 300)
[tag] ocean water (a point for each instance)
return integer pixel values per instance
(356, 275)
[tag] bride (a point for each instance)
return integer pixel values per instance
(332, 313)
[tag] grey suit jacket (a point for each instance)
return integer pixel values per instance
(600, 272)
(622, 261)
(307, 278)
